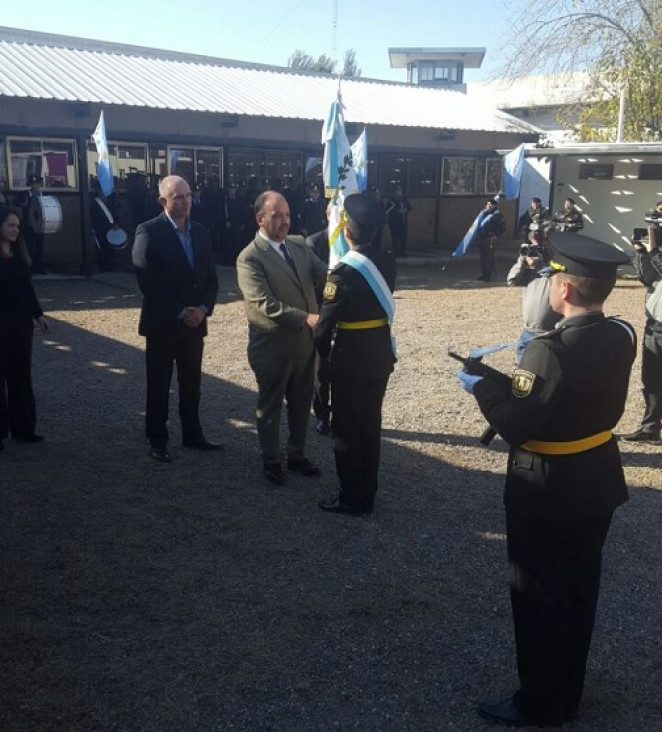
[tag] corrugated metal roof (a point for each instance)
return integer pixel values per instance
(45, 66)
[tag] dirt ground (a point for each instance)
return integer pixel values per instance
(195, 596)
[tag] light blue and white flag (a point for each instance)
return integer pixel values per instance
(339, 178)
(513, 164)
(360, 160)
(104, 169)
(469, 237)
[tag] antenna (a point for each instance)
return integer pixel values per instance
(334, 33)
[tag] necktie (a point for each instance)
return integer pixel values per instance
(288, 257)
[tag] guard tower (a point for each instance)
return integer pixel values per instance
(441, 67)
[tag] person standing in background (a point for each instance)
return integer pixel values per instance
(398, 210)
(174, 264)
(19, 310)
(277, 276)
(33, 240)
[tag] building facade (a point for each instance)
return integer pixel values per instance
(229, 125)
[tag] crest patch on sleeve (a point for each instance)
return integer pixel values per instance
(522, 383)
(330, 290)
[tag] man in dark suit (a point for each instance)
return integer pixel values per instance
(277, 275)
(174, 263)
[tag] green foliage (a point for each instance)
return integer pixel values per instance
(350, 66)
(619, 44)
(323, 64)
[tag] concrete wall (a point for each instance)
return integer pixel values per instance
(611, 208)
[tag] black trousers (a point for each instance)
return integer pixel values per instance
(35, 245)
(356, 412)
(322, 394)
(182, 346)
(487, 259)
(399, 237)
(18, 413)
(651, 380)
(554, 584)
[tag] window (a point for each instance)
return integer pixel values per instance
(392, 170)
(595, 171)
(195, 164)
(207, 166)
(125, 159)
(283, 169)
(472, 175)
(421, 175)
(650, 171)
(180, 162)
(158, 167)
(4, 181)
(435, 72)
(263, 169)
(53, 160)
(313, 173)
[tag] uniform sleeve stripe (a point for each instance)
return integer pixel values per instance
(628, 328)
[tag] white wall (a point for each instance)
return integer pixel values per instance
(535, 182)
(611, 208)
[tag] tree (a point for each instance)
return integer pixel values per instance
(350, 66)
(618, 43)
(303, 61)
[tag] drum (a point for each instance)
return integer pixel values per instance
(45, 215)
(117, 238)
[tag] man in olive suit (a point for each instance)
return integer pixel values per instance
(277, 275)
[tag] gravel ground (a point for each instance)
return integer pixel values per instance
(141, 596)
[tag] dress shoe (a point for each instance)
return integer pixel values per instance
(506, 713)
(274, 473)
(160, 453)
(202, 444)
(322, 427)
(29, 438)
(304, 467)
(641, 435)
(337, 506)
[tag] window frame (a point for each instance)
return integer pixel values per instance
(73, 151)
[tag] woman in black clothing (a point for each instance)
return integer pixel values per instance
(18, 309)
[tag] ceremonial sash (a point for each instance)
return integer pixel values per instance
(367, 269)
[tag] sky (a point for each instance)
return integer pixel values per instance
(269, 31)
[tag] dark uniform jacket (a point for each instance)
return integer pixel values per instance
(570, 220)
(18, 302)
(365, 353)
(166, 279)
(571, 384)
(648, 266)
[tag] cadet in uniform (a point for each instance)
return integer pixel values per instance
(570, 219)
(564, 478)
(357, 310)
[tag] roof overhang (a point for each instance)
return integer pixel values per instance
(595, 148)
(472, 58)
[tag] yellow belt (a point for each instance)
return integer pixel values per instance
(567, 448)
(361, 324)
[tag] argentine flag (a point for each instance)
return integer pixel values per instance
(104, 170)
(339, 178)
(513, 164)
(360, 160)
